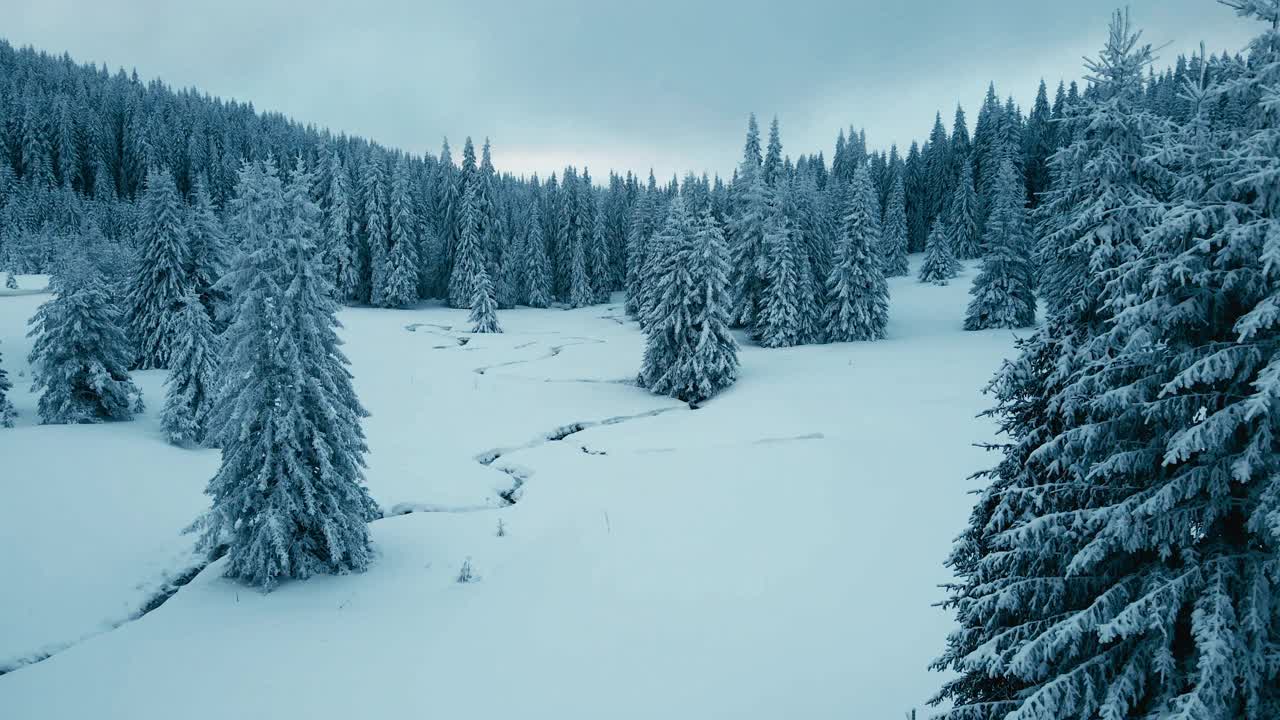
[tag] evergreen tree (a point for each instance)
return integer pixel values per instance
(192, 381)
(916, 199)
(939, 264)
(162, 275)
(536, 262)
(484, 305)
(962, 217)
(7, 412)
(639, 234)
(857, 306)
(469, 259)
(80, 356)
(893, 240)
(513, 285)
(1003, 293)
(377, 231)
(340, 253)
(1039, 144)
(748, 252)
(961, 146)
(1122, 560)
(771, 169)
(207, 245)
(780, 323)
(580, 294)
(401, 280)
(690, 353)
(288, 500)
(938, 176)
(598, 266)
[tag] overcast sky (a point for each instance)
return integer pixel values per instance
(609, 83)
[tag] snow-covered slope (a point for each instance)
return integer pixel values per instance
(773, 554)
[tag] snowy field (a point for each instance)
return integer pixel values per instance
(773, 554)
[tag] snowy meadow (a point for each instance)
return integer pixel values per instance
(690, 537)
(296, 424)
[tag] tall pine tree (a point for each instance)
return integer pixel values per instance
(288, 500)
(857, 296)
(162, 277)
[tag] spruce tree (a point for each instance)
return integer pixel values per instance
(579, 291)
(939, 264)
(11, 281)
(599, 270)
(288, 500)
(162, 277)
(536, 261)
(748, 254)
(80, 357)
(340, 254)
(893, 239)
(690, 353)
(377, 231)
(7, 412)
(192, 381)
(1121, 563)
(513, 284)
(1003, 293)
(401, 280)
(1039, 143)
(771, 169)
(639, 233)
(962, 217)
(469, 259)
(207, 250)
(857, 296)
(780, 323)
(484, 305)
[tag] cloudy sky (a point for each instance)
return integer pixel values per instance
(608, 83)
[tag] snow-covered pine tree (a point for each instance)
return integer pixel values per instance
(660, 350)
(484, 305)
(1123, 560)
(857, 296)
(192, 382)
(779, 323)
(469, 258)
(513, 284)
(748, 254)
(339, 247)
(80, 357)
(11, 281)
(694, 355)
(939, 264)
(377, 229)
(288, 500)
(1100, 200)
(962, 216)
(161, 278)
(536, 261)
(639, 233)
(580, 294)
(893, 238)
(401, 278)
(1004, 291)
(207, 249)
(598, 266)
(771, 168)
(813, 251)
(6, 407)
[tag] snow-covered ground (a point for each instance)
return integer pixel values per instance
(775, 553)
